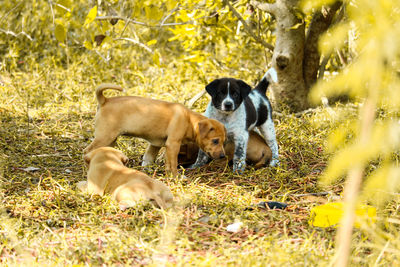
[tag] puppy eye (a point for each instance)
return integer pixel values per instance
(215, 141)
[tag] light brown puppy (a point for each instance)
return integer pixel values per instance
(108, 175)
(258, 152)
(160, 123)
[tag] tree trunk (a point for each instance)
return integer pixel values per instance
(295, 57)
(288, 58)
(320, 22)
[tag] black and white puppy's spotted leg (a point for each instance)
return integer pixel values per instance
(239, 157)
(268, 131)
(202, 159)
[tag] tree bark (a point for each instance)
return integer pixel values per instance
(320, 22)
(287, 59)
(295, 57)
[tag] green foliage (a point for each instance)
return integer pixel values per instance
(372, 75)
(187, 31)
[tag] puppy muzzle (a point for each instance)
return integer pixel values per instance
(227, 106)
(217, 155)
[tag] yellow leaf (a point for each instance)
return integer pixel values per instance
(294, 27)
(226, 27)
(156, 58)
(151, 42)
(91, 15)
(183, 16)
(153, 12)
(173, 38)
(88, 45)
(106, 40)
(330, 214)
(105, 27)
(171, 4)
(60, 33)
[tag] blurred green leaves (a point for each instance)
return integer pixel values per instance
(372, 31)
(189, 31)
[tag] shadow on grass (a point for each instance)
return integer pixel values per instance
(35, 149)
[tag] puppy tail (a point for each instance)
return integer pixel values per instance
(99, 91)
(269, 76)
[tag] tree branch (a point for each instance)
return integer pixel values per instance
(170, 14)
(137, 43)
(352, 186)
(16, 34)
(247, 27)
(162, 24)
(267, 7)
(122, 18)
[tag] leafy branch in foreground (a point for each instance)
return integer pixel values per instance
(373, 78)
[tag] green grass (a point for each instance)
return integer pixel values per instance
(46, 122)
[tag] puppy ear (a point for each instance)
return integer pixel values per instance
(245, 89)
(212, 87)
(204, 127)
(160, 202)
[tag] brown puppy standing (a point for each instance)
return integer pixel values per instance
(107, 174)
(160, 123)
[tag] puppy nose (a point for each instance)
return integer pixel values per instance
(222, 155)
(228, 105)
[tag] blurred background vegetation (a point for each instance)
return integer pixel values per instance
(200, 36)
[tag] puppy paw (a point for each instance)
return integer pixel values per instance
(82, 186)
(146, 163)
(124, 204)
(239, 172)
(274, 163)
(193, 166)
(122, 207)
(239, 166)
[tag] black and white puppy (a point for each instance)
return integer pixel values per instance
(241, 109)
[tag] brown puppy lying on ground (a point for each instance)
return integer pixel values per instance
(160, 123)
(258, 152)
(107, 174)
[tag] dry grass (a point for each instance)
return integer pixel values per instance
(46, 121)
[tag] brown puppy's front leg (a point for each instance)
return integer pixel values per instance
(150, 155)
(99, 142)
(171, 156)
